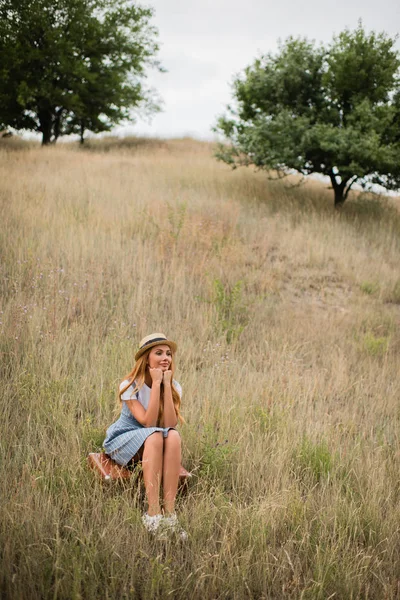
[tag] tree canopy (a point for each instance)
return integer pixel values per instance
(332, 110)
(71, 65)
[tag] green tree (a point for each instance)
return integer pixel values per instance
(72, 65)
(334, 111)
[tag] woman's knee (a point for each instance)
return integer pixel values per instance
(173, 438)
(154, 441)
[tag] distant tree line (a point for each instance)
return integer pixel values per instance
(332, 110)
(67, 66)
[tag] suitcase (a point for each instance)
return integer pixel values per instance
(110, 470)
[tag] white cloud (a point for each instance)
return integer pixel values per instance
(204, 44)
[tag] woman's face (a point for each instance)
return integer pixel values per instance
(160, 357)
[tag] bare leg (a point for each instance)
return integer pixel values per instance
(152, 468)
(171, 466)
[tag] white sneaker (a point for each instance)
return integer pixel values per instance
(151, 523)
(172, 525)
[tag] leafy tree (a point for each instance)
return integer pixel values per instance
(72, 65)
(334, 111)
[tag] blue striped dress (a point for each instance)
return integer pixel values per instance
(126, 436)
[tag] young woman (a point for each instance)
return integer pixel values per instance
(146, 431)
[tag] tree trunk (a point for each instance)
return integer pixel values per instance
(57, 124)
(82, 132)
(46, 125)
(338, 190)
(339, 196)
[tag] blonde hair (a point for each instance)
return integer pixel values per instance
(137, 376)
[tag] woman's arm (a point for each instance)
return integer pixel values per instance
(149, 417)
(169, 417)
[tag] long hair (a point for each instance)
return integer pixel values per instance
(138, 375)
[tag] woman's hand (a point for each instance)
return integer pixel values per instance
(167, 376)
(156, 375)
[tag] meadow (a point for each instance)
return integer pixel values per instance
(286, 314)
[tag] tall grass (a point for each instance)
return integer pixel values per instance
(286, 315)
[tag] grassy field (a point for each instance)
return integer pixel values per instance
(286, 314)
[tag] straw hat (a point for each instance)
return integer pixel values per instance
(154, 339)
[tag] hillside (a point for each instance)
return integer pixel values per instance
(286, 315)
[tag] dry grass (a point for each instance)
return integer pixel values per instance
(287, 319)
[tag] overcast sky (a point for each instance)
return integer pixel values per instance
(204, 43)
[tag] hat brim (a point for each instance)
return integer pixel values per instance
(140, 352)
